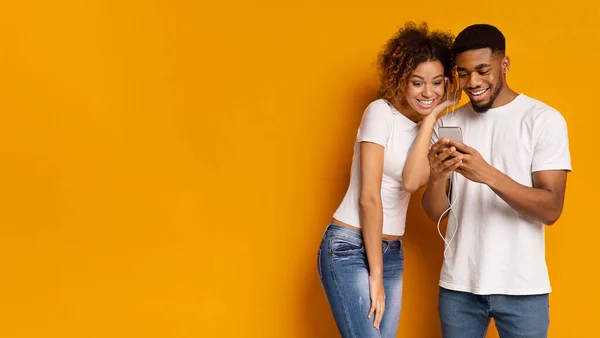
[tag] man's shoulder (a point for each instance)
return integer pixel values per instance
(539, 111)
(538, 108)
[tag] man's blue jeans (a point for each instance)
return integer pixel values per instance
(466, 315)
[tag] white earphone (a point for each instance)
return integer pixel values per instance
(452, 178)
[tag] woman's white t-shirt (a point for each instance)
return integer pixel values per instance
(384, 125)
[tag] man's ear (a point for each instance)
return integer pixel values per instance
(505, 64)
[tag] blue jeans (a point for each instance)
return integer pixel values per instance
(344, 274)
(466, 315)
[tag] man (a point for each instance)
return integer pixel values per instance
(508, 180)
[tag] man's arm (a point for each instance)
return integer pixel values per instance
(543, 202)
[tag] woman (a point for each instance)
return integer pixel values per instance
(361, 258)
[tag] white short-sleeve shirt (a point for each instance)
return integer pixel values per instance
(382, 124)
(496, 250)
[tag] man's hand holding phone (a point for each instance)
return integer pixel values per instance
(473, 166)
(443, 159)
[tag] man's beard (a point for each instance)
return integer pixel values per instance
(486, 106)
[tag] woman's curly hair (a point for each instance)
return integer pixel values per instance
(409, 47)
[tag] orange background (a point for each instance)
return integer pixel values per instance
(168, 167)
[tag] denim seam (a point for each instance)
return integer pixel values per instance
(487, 305)
(485, 331)
(319, 264)
(341, 297)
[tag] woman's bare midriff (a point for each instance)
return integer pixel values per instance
(351, 227)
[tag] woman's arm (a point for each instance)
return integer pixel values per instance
(371, 220)
(416, 169)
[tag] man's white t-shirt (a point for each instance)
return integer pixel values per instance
(495, 249)
(384, 125)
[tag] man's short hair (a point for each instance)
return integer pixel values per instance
(480, 36)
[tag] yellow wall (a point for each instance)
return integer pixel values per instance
(167, 167)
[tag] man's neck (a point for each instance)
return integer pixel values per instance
(505, 97)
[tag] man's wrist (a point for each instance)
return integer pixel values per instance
(437, 181)
(492, 178)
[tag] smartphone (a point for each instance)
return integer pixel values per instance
(453, 133)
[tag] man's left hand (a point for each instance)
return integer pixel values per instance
(473, 166)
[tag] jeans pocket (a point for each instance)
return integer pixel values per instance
(342, 246)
